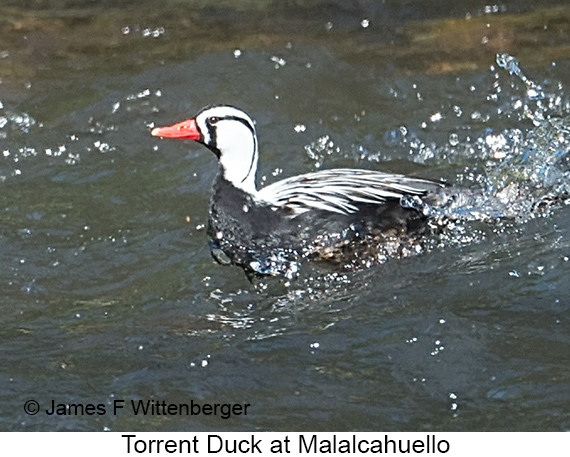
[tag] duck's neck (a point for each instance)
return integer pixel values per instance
(238, 160)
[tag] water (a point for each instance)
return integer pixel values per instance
(109, 290)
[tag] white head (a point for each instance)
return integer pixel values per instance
(230, 134)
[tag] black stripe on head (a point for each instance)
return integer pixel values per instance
(230, 117)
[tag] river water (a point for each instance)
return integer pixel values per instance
(109, 291)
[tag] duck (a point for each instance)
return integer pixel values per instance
(344, 216)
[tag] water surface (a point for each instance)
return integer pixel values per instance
(109, 290)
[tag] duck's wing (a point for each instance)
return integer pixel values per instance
(342, 190)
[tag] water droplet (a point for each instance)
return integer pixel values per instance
(436, 117)
(278, 61)
(157, 32)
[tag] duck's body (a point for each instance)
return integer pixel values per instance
(330, 214)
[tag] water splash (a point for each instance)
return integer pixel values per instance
(319, 150)
(516, 173)
(14, 121)
(511, 64)
(532, 169)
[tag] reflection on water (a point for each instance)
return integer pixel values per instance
(108, 287)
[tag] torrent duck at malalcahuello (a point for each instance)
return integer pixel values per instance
(348, 216)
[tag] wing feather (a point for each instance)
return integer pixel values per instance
(341, 190)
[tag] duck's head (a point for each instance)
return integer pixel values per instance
(230, 134)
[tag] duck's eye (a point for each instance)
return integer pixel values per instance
(213, 120)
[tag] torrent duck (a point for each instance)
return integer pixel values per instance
(351, 217)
